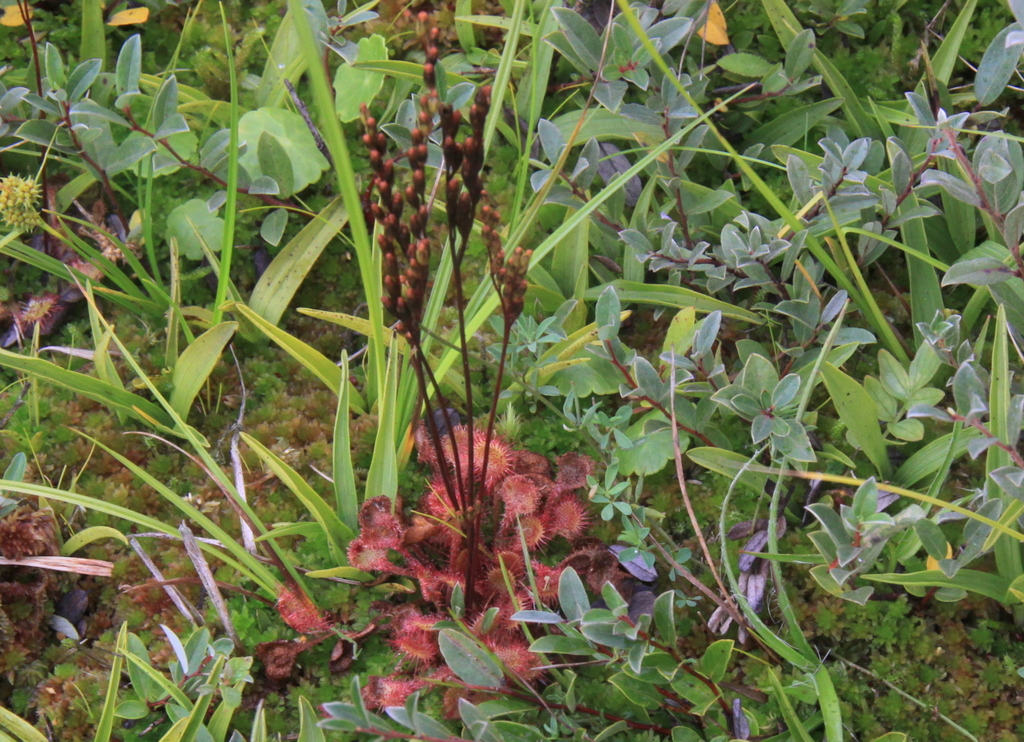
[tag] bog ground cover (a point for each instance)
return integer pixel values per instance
(511, 371)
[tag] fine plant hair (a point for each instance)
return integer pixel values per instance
(408, 244)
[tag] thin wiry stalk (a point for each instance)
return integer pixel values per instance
(435, 436)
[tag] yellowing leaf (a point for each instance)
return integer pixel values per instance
(128, 17)
(932, 563)
(715, 30)
(12, 16)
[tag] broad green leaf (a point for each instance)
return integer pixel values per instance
(932, 537)
(857, 410)
(996, 67)
(272, 228)
(278, 284)
(275, 163)
(656, 450)
(664, 617)
(352, 86)
(715, 660)
(572, 596)
(603, 124)
(192, 224)
(129, 66)
(800, 54)
(797, 730)
(557, 644)
(195, 365)
(468, 660)
(977, 272)
(286, 60)
(745, 64)
(294, 138)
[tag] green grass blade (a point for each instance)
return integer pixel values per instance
(828, 702)
(510, 49)
(925, 292)
(337, 533)
(195, 365)
(930, 458)
(1008, 553)
(227, 244)
(857, 410)
(673, 296)
(916, 253)
(570, 270)
(94, 36)
(369, 263)
(868, 305)
(312, 359)
(88, 386)
(792, 126)
(345, 492)
(382, 479)
(278, 284)
(983, 583)
(106, 722)
(308, 718)
(786, 27)
(789, 715)
(946, 56)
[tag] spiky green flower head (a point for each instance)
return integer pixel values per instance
(18, 197)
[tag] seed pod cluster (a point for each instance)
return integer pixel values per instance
(402, 210)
